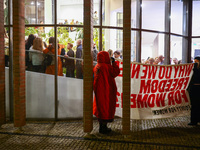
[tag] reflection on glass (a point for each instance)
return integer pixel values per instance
(133, 14)
(195, 18)
(6, 12)
(6, 46)
(176, 48)
(70, 12)
(176, 17)
(195, 47)
(39, 12)
(96, 38)
(153, 14)
(133, 46)
(113, 39)
(152, 46)
(111, 9)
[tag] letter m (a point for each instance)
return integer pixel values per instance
(145, 87)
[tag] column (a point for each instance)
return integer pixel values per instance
(187, 31)
(88, 66)
(168, 30)
(126, 66)
(19, 63)
(2, 67)
(138, 33)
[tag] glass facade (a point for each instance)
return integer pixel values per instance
(155, 26)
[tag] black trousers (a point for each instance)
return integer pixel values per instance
(69, 72)
(79, 71)
(195, 103)
(38, 68)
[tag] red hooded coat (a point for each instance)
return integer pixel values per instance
(105, 87)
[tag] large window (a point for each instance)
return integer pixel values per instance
(158, 28)
(196, 29)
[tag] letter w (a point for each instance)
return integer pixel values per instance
(160, 99)
(152, 72)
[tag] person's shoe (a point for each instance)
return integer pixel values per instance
(192, 124)
(108, 129)
(103, 129)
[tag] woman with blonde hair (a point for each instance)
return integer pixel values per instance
(156, 61)
(110, 52)
(151, 61)
(36, 55)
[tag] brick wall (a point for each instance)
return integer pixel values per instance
(126, 65)
(88, 66)
(19, 63)
(2, 66)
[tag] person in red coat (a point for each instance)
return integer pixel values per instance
(105, 90)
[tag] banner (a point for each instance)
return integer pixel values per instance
(157, 91)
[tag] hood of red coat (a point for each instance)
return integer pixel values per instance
(103, 57)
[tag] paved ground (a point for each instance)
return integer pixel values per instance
(160, 134)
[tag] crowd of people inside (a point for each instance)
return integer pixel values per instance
(37, 52)
(37, 60)
(160, 61)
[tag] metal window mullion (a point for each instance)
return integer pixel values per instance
(168, 30)
(11, 103)
(100, 29)
(36, 11)
(187, 31)
(138, 33)
(190, 3)
(56, 61)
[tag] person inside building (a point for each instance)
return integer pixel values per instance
(36, 55)
(161, 60)
(79, 70)
(94, 52)
(194, 93)
(51, 51)
(105, 90)
(175, 61)
(151, 61)
(28, 44)
(72, 23)
(70, 65)
(110, 52)
(117, 54)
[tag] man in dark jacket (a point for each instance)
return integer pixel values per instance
(194, 93)
(79, 71)
(70, 66)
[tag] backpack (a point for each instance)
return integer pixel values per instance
(48, 59)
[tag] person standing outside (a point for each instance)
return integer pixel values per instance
(105, 90)
(194, 93)
(79, 71)
(70, 66)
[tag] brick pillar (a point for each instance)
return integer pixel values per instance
(2, 66)
(88, 66)
(126, 65)
(19, 63)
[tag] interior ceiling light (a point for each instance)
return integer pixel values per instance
(32, 3)
(38, 3)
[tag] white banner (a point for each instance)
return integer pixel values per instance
(157, 91)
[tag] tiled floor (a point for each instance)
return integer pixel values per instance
(159, 134)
